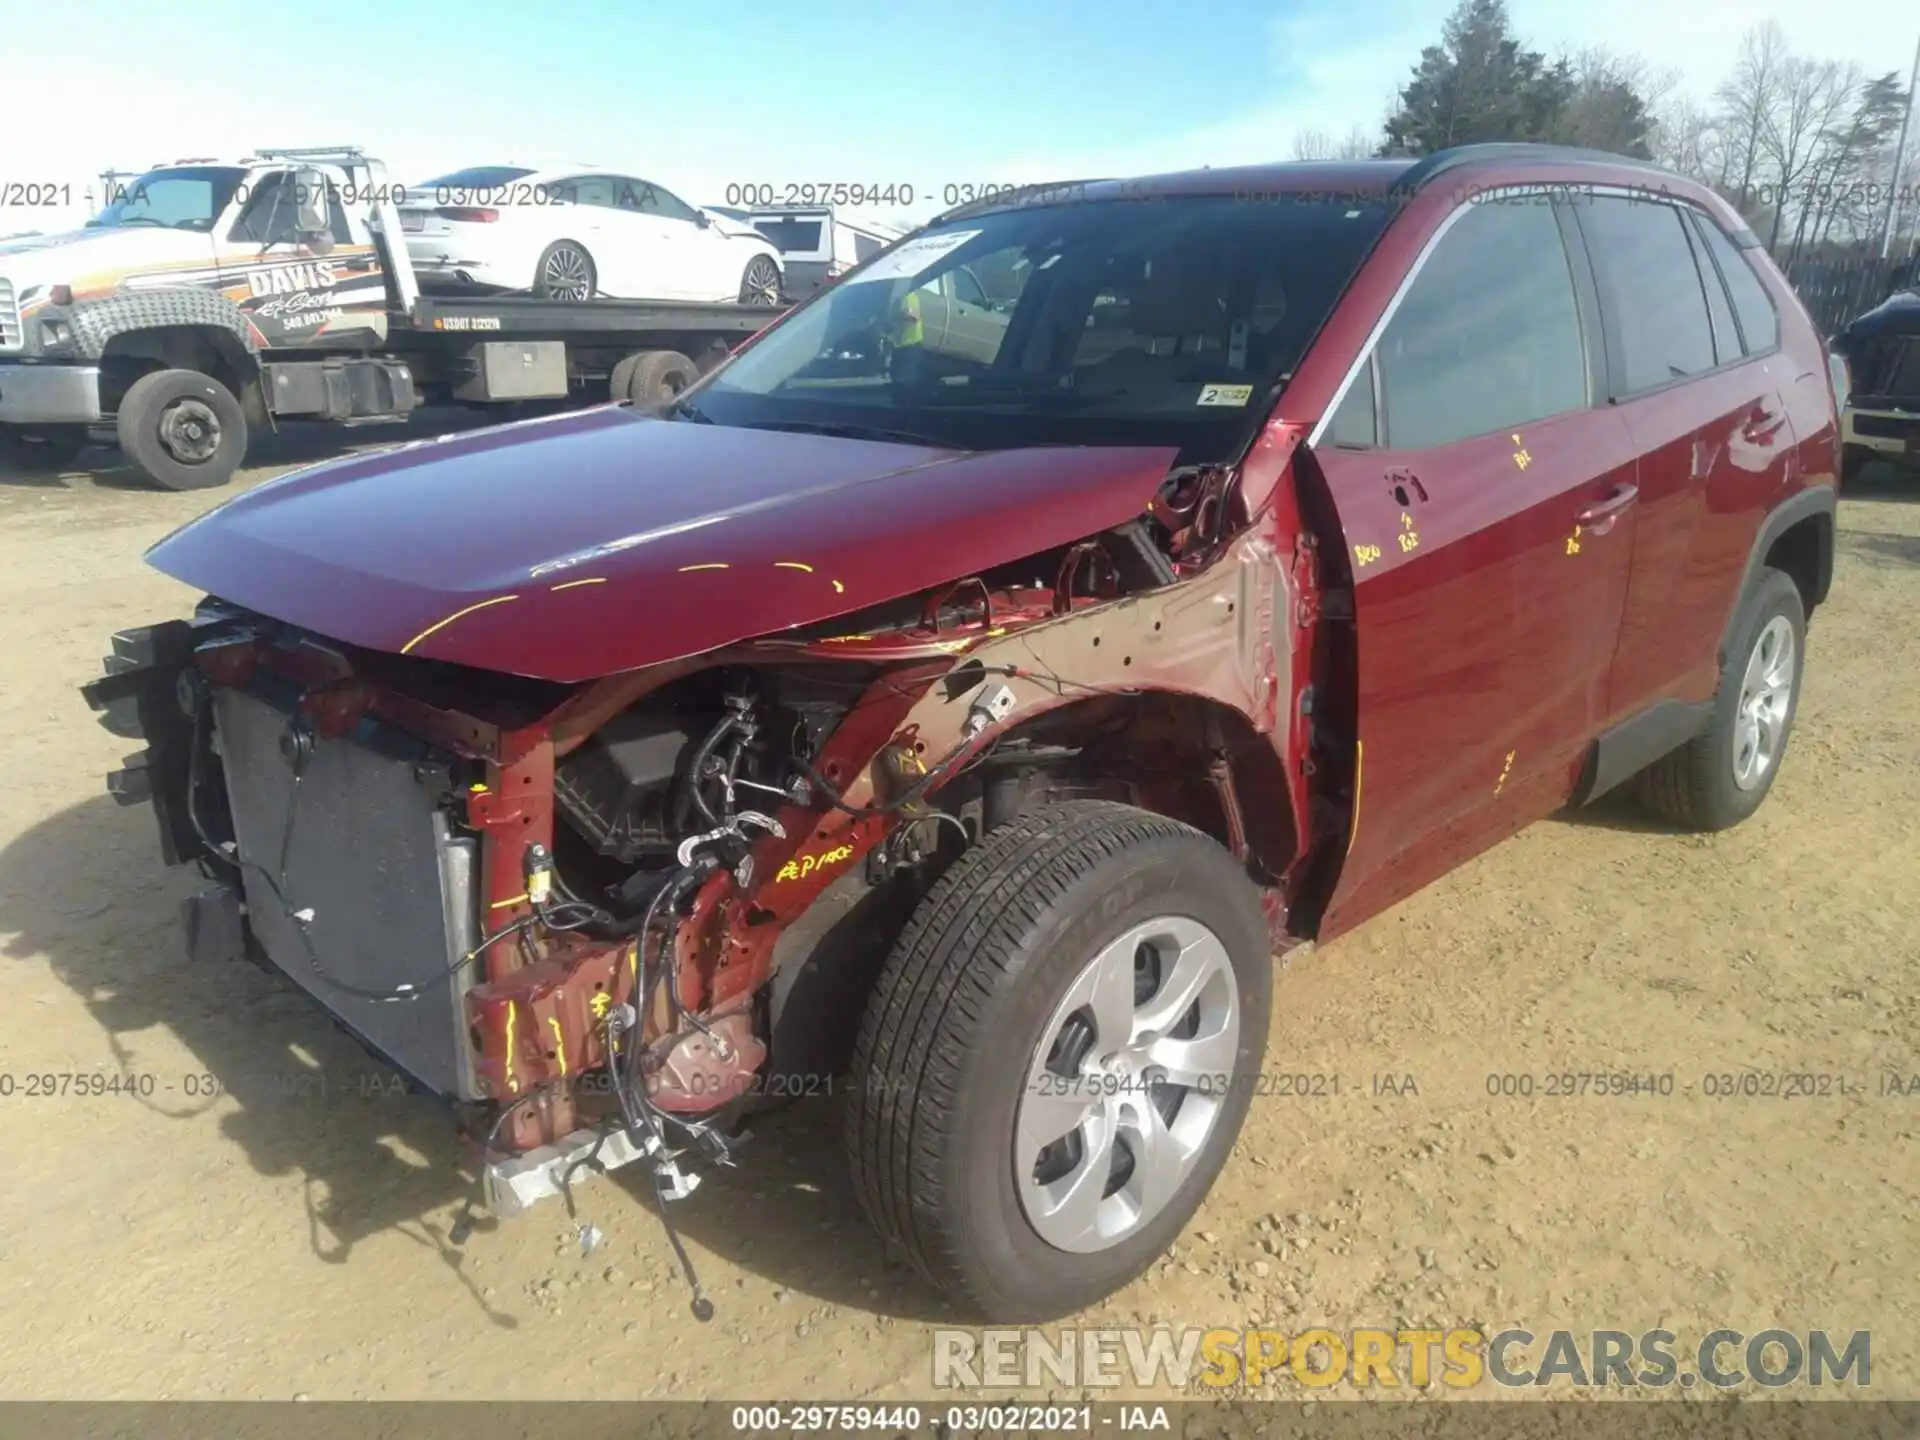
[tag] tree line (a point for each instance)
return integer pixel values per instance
(1802, 146)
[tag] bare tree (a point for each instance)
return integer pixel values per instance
(1815, 97)
(1748, 99)
(1320, 145)
(1690, 138)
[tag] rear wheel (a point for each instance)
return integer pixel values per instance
(1720, 777)
(184, 430)
(1058, 1056)
(39, 449)
(760, 284)
(564, 272)
(652, 378)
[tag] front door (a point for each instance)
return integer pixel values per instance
(1487, 499)
(319, 289)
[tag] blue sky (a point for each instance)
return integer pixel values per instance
(700, 95)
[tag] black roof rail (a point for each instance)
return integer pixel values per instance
(1430, 167)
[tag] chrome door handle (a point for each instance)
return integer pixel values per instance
(1598, 518)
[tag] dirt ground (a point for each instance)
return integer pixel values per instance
(271, 1222)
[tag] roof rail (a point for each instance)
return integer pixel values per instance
(1430, 167)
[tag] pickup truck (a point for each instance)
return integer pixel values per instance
(1881, 416)
(964, 737)
(210, 300)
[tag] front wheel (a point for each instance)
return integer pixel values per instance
(760, 284)
(1058, 1055)
(183, 429)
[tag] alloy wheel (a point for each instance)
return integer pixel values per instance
(1126, 1084)
(1766, 699)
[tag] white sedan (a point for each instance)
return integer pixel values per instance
(575, 234)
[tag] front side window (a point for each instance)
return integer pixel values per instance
(1171, 322)
(649, 199)
(1487, 338)
(272, 213)
(583, 190)
(1651, 286)
(188, 198)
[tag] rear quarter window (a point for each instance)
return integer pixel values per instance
(1759, 321)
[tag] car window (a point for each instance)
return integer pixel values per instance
(1726, 335)
(1759, 322)
(1487, 338)
(1355, 422)
(790, 235)
(1647, 275)
(966, 288)
(477, 177)
(271, 214)
(649, 199)
(583, 190)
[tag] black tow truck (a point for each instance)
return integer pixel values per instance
(210, 300)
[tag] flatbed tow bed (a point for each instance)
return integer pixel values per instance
(288, 302)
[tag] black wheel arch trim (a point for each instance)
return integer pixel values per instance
(1636, 742)
(1815, 502)
(96, 323)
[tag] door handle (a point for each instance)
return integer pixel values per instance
(1598, 518)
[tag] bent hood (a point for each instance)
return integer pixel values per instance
(575, 547)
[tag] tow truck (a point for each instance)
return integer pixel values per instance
(210, 300)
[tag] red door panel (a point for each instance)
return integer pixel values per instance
(1716, 454)
(1484, 646)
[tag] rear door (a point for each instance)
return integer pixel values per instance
(1487, 499)
(1706, 415)
(696, 262)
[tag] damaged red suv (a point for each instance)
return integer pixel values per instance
(956, 701)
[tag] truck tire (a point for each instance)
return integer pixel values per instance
(653, 377)
(183, 429)
(41, 449)
(565, 272)
(1719, 778)
(760, 282)
(1082, 949)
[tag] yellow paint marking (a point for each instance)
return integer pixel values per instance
(505, 904)
(843, 639)
(838, 588)
(1505, 770)
(442, 624)
(1365, 555)
(997, 630)
(806, 865)
(792, 565)
(1573, 541)
(573, 584)
(513, 1014)
(600, 1004)
(559, 1043)
(719, 565)
(1359, 765)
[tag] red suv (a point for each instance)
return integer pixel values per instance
(953, 702)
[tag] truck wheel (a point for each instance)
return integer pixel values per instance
(1058, 1056)
(183, 429)
(40, 449)
(653, 377)
(564, 272)
(1720, 777)
(760, 285)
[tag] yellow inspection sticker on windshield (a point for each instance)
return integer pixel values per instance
(1224, 394)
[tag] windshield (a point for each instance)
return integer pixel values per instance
(188, 198)
(1127, 322)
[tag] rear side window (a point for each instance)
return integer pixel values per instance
(1487, 338)
(1759, 322)
(1651, 287)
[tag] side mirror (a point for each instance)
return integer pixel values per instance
(703, 220)
(310, 204)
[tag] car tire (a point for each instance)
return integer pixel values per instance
(965, 1029)
(565, 271)
(41, 449)
(760, 283)
(182, 429)
(652, 378)
(1719, 778)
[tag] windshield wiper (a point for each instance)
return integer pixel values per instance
(853, 432)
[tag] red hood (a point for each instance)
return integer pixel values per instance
(601, 541)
